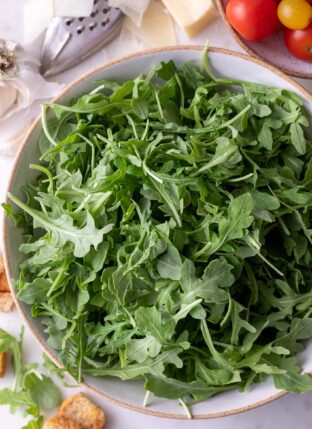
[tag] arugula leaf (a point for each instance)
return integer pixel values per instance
(300, 329)
(216, 377)
(150, 366)
(291, 380)
(35, 292)
(63, 230)
(149, 320)
(31, 391)
(169, 265)
(298, 138)
(238, 323)
(141, 349)
(15, 399)
(42, 391)
(174, 389)
(233, 226)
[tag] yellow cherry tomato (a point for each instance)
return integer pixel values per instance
(295, 14)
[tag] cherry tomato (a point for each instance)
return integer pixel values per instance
(295, 14)
(253, 19)
(299, 42)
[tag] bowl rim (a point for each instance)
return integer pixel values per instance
(221, 7)
(28, 321)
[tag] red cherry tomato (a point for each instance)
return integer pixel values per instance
(299, 42)
(253, 19)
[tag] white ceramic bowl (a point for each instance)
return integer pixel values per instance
(131, 394)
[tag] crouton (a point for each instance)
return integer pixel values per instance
(2, 364)
(59, 422)
(4, 285)
(1, 265)
(80, 409)
(6, 302)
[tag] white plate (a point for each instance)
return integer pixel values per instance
(131, 394)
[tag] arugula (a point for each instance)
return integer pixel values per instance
(31, 391)
(168, 235)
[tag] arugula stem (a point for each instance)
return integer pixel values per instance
(83, 204)
(146, 398)
(186, 408)
(181, 89)
(205, 66)
(228, 313)
(44, 123)
(240, 179)
(55, 312)
(236, 117)
(131, 122)
(45, 171)
(214, 162)
(185, 310)
(159, 107)
(68, 334)
(283, 225)
(254, 245)
(207, 337)
(145, 133)
(92, 149)
(57, 279)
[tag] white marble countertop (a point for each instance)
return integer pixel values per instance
(288, 412)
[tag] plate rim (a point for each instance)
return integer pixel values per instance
(28, 321)
(221, 8)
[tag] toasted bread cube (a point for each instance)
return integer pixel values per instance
(4, 285)
(59, 422)
(80, 409)
(6, 302)
(2, 364)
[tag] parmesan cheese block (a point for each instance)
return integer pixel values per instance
(157, 27)
(191, 15)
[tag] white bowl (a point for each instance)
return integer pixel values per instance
(131, 394)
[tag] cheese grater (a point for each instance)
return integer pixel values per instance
(68, 41)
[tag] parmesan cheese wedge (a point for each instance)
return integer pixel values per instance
(191, 15)
(156, 29)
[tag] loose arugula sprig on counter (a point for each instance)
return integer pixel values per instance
(168, 235)
(31, 391)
